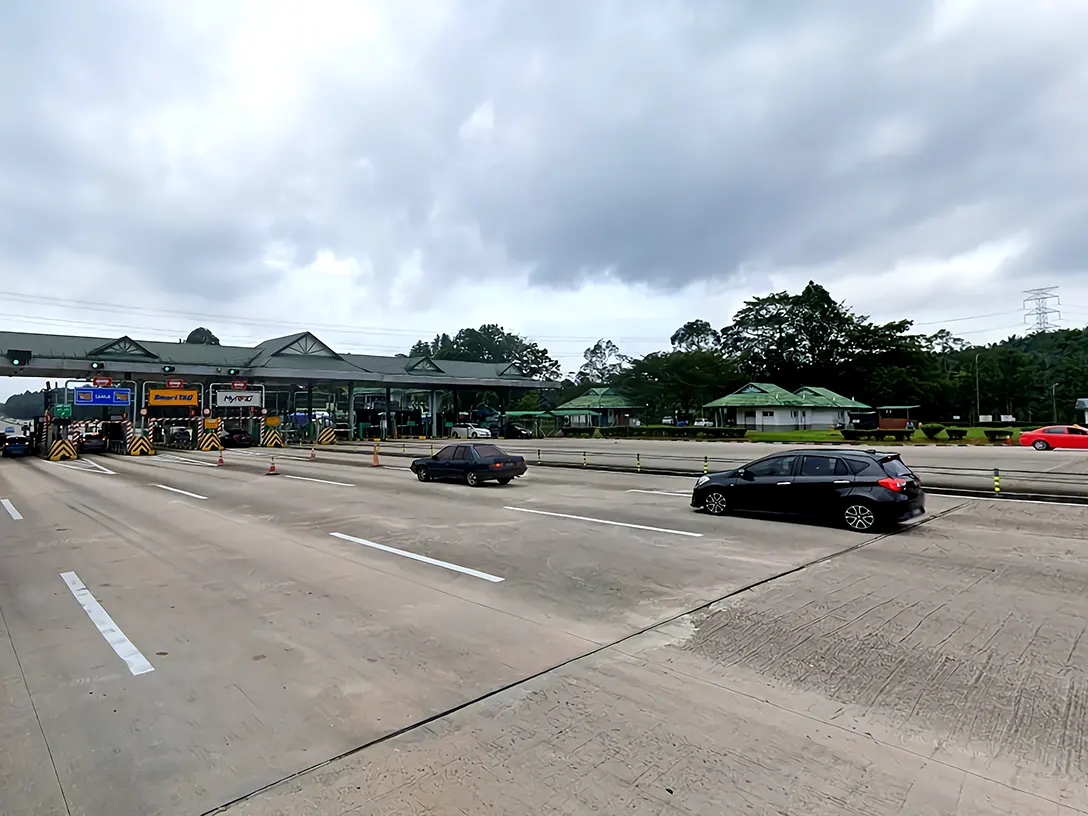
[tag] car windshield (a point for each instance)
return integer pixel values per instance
(489, 450)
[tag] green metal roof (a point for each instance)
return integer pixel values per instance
(827, 397)
(298, 356)
(756, 395)
(599, 398)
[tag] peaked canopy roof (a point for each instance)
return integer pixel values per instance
(600, 398)
(295, 357)
(769, 395)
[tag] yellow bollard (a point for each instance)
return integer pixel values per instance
(706, 465)
(997, 481)
(403, 449)
(638, 463)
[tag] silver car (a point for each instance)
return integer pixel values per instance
(467, 430)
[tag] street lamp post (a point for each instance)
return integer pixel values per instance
(978, 397)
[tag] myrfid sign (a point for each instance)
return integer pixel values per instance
(239, 399)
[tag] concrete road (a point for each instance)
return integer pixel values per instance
(179, 636)
(1021, 469)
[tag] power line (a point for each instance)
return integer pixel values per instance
(1039, 309)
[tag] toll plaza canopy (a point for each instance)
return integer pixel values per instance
(296, 358)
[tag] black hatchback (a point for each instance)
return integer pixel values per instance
(862, 490)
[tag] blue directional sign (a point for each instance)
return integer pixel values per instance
(103, 396)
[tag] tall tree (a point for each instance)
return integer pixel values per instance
(696, 334)
(668, 381)
(602, 362)
(202, 337)
(492, 344)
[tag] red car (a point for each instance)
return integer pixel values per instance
(1056, 436)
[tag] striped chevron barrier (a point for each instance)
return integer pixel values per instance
(210, 441)
(327, 436)
(62, 451)
(140, 446)
(271, 438)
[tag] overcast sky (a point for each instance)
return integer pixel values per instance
(383, 171)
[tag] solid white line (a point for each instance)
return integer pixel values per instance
(173, 457)
(659, 493)
(182, 492)
(321, 481)
(136, 662)
(1000, 500)
(96, 465)
(433, 561)
(11, 509)
(606, 521)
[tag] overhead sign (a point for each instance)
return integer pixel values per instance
(102, 382)
(62, 411)
(103, 396)
(239, 399)
(172, 396)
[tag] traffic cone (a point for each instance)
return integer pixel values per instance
(272, 468)
(313, 454)
(376, 463)
(220, 463)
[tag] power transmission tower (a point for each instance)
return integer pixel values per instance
(1039, 308)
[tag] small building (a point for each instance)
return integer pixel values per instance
(1082, 405)
(599, 406)
(766, 406)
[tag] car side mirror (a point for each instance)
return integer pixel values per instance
(744, 474)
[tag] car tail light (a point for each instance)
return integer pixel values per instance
(894, 485)
(497, 465)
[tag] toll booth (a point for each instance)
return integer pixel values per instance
(238, 405)
(166, 408)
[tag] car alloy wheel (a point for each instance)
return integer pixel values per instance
(1040, 444)
(472, 479)
(715, 503)
(473, 435)
(421, 474)
(859, 517)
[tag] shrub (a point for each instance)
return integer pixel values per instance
(597, 433)
(956, 433)
(932, 429)
(672, 432)
(853, 434)
(998, 434)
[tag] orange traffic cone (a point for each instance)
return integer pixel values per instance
(272, 468)
(220, 463)
(376, 463)
(313, 455)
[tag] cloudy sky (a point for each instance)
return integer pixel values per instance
(383, 171)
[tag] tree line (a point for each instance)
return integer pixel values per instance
(809, 338)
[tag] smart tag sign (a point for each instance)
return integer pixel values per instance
(103, 396)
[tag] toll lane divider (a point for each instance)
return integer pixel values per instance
(62, 451)
(1074, 483)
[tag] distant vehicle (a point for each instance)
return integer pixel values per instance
(342, 430)
(515, 431)
(179, 435)
(93, 443)
(472, 463)
(668, 420)
(702, 423)
(16, 445)
(468, 430)
(1056, 436)
(862, 490)
(235, 438)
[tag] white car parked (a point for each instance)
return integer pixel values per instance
(469, 431)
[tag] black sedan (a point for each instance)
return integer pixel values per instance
(93, 443)
(862, 490)
(235, 438)
(470, 462)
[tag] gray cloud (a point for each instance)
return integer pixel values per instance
(660, 143)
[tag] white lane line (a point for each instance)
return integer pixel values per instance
(607, 521)
(93, 467)
(173, 457)
(182, 492)
(1010, 501)
(15, 514)
(433, 561)
(136, 662)
(320, 481)
(660, 493)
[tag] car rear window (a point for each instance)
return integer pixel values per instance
(858, 465)
(894, 467)
(489, 450)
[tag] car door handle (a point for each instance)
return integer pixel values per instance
(784, 483)
(842, 481)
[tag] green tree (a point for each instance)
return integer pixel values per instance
(603, 362)
(696, 334)
(668, 381)
(202, 337)
(492, 344)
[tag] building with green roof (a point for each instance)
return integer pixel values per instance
(766, 406)
(600, 406)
